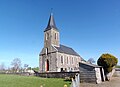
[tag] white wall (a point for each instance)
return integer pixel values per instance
(98, 75)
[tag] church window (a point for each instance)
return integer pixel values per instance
(47, 36)
(75, 59)
(62, 59)
(55, 36)
(67, 60)
(72, 60)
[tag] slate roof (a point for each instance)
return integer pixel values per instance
(91, 65)
(51, 23)
(67, 50)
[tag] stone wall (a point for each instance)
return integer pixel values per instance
(117, 72)
(56, 74)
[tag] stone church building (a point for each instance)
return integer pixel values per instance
(55, 57)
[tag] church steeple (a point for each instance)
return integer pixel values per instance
(51, 34)
(51, 23)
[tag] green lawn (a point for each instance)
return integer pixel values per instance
(30, 81)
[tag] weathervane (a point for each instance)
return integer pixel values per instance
(51, 11)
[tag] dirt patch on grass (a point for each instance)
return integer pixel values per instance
(114, 82)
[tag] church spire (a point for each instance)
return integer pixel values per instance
(51, 23)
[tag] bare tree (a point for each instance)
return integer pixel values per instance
(2, 66)
(25, 67)
(16, 63)
(91, 60)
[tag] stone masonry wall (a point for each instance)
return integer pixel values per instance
(56, 74)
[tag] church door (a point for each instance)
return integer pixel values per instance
(47, 66)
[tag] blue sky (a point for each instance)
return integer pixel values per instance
(91, 27)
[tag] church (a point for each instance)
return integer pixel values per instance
(54, 56)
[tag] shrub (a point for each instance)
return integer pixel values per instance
(108, 61)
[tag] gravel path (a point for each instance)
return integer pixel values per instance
(115, 82)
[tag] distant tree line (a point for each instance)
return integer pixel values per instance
(16, 67)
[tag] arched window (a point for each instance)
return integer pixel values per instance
(62, 59)
(72, 60)
(47, 36)
(55, 36)
(67, 60)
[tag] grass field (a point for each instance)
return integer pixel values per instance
(30, 81)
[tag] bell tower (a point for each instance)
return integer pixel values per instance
(51, 34)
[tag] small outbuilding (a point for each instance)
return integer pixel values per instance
(91, 73)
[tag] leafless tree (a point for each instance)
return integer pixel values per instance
(2, 66)
(25, 67)
(16, 63)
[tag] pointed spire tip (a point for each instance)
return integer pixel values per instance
(51, 13)
(51, 22)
